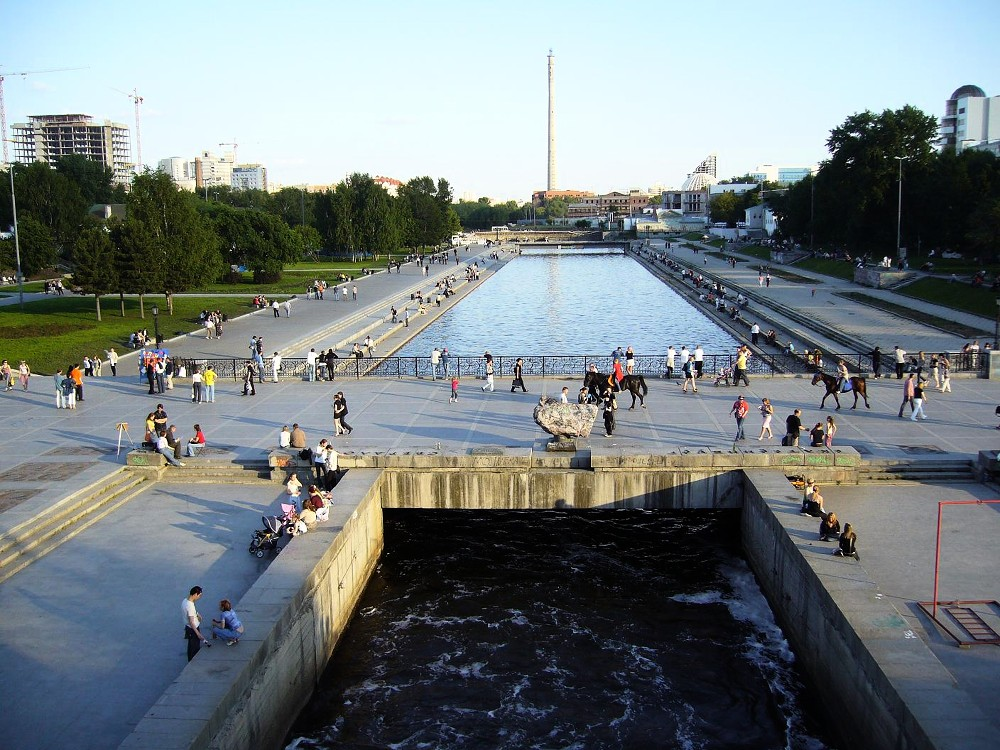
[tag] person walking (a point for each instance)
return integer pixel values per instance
(918, 401)
(113, 361)
(739, 410)
(945, 374)
(340, 412)
(629, 360)
(688, 369)
(228, 626)
(57, 379)
(192, 623)
(609, 412)
(354, 292)
(767, 412)
(908, 388)
(406, 317)
(740, 368)
(829, 430)
(275, 366)
(276, 308)
(24, 373)
(249, 374)
(454, 390)
(288, 307)
(489, 375)
(519, 376)
(7, 375)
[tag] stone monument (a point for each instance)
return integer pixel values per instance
(565, 422)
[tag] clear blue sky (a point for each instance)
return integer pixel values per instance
(317, 90)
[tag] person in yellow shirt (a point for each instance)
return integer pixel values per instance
(740, 368)
(208, 380)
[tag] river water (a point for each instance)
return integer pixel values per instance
(589, 301)
(547, 629)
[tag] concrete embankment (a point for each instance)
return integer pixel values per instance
(877, 679)
(294, 615)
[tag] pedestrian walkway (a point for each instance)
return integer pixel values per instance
(91, 633)
(819, 300)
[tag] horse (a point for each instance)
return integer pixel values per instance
(830, 381)
(595, 382)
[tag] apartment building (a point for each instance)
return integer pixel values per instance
(46, 138)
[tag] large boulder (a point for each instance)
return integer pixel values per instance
(565, 420)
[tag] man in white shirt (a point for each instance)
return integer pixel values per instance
(671, 354)
(685, 356)
(192, 623)
(275, 366)
(900, 357)
(435, 361)
(754, 333)
(311, 364)
(288, 307)
(699, 360)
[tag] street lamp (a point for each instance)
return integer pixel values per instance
(156, 324)
(17, 238)
(899, 213)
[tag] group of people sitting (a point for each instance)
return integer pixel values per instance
(260, 301)
(54, 287)
(302, 515)
(138, 339)
(829, 527)
(165, 440)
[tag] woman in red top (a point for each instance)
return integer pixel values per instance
(196, 443)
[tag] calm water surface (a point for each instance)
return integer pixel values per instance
(576, 302)
(538, 629)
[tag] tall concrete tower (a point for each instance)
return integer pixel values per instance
(553, 179)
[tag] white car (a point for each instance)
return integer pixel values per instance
(951, 256)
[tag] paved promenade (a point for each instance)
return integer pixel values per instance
(91, 634)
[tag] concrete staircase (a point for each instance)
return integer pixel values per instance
(32, 540)
(220, 470)
(916, 471)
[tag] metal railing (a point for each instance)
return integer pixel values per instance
(570, 365)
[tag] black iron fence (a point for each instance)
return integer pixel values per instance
(568, 365)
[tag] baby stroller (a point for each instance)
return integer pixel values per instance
(266, 538)
(724, 376)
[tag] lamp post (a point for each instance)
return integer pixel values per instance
(156, 324)
(899, 211)
(17, 239)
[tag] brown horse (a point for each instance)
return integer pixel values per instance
(830, 381)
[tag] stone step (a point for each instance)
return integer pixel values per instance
(31, 541)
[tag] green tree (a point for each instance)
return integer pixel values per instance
(38, 247)
(50, 197)
(984, 234)
(94, 180)
(141, 260)
(309, 238)
(257, 240)
(556, 208)
(183, 240)
(95, 270)
(727, 207)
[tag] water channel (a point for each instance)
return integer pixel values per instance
(545, 629)
(571, 301)
(537, 629)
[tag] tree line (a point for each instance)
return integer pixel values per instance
(949, 201)
(169, 240)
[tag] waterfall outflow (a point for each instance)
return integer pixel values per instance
(575, 630)
(540, 250)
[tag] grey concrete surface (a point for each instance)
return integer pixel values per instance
(97, 621)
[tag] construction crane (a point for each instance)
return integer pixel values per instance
(234, 145)
(134, 96)
(3, 105)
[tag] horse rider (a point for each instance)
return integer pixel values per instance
(842, 376)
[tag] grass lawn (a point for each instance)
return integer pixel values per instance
(958, 296)
(56, 332)
(828, 266)
(764, 253)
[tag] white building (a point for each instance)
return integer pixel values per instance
(249, 177)
(46, 138)
(782, 175)
(760, 219)
(971, 120)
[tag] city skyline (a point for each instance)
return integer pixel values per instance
(319, 91)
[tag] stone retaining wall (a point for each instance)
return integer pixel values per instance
(294, 615)
(868, 684)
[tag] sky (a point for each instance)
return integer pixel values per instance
(315, 91)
